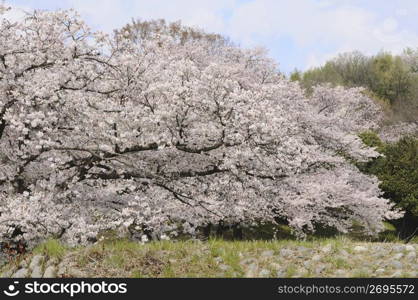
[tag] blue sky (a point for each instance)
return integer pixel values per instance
(298, 33)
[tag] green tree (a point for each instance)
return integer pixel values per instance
(296, 75)
(353, 68)
(397, 170)
(324, 74)
(391, 78)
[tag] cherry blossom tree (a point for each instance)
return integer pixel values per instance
(393, 133)
(155, 137)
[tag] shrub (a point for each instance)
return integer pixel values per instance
(397, 170)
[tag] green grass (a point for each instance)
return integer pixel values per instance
(360, 274)
(113, 257)
(119, 257)
(51, 248)
(290, 271)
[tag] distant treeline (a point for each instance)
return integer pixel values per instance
(391, 78)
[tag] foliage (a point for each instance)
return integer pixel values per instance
(389, 77)
(51, 248)
(296, 75)
(397, 170)
(399, 173)
(371, 139)
(324, 74)
(154, 138)
(392, 79)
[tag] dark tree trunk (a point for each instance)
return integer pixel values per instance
(237, 232)
(206, 231)
(220, 229)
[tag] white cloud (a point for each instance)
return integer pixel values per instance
(401, 12)
(317, 59)
(104, 14)
(111, 14)
(320, 25)
(390, 24)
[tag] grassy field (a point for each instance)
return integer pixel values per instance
(337, 257)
